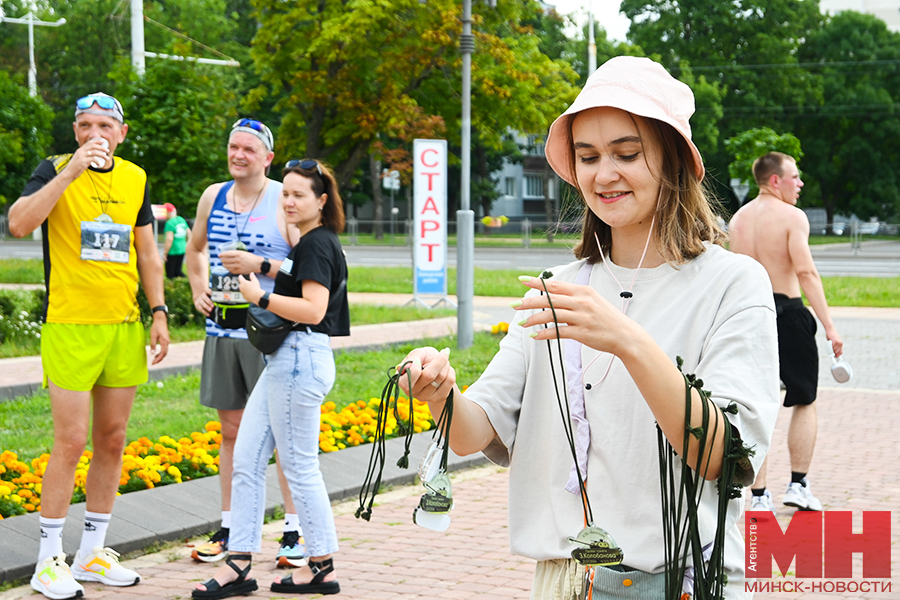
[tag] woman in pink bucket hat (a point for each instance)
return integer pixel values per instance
(626, 474)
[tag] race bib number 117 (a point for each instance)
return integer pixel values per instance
(109, 242)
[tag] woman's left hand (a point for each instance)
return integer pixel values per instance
(587, 316)
(250, 288)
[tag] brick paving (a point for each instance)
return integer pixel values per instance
(855, 468)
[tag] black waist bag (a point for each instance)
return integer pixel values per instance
(266, 330)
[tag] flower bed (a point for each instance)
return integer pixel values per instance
(147, 464)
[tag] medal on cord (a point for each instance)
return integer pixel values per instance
(435, 504)
(596, 547)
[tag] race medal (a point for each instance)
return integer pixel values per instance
(225, 286)
(434, 505)
(597, 548)
(232, 245)
(431, 462)
(105, 241)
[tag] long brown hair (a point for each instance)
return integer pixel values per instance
(322, 181)
(685, 217)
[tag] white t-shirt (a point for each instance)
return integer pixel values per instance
(717, 313)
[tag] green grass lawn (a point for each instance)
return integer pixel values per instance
(174, 408)
(841, 291)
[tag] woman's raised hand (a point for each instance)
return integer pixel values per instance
(587, 316)
(431, 374)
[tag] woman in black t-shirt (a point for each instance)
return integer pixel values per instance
(284, 409)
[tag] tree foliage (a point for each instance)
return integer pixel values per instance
(344, 71)
(852, 138)
(749, 145)
(24, 136)
(179, 116)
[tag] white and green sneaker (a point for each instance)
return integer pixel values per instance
(53, 579)
(103, 565)
(293, 551)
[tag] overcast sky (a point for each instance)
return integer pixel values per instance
(606, 12)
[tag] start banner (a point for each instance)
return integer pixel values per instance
(430, 224)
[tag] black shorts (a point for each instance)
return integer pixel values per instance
(798, 354)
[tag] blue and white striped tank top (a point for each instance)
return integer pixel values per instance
(258, 229)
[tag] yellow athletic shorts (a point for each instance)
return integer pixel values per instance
(78, 357)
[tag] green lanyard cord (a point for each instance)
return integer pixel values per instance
(563, 403)
(375, 470)
(681, 521)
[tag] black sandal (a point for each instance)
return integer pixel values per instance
(316, 586)
(239, 587)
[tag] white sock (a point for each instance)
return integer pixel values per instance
(51, 538)
(94, 534)
(291, 522)
(226, 519)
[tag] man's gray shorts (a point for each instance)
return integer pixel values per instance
(230, 369)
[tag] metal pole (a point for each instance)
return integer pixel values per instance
(465, 217)
(592, 46)
(137, 37)
(31, 22)
(32, 70)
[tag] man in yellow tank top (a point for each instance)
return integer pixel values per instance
(94, 211)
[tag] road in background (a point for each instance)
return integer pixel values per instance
(877, 258)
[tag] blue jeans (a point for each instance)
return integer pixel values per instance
(284, 412)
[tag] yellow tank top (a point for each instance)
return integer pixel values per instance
(93, 291)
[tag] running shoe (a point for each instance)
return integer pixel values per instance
(103, 565)
(801, 497)
(215, 549)
(293, 550)
(763, 502)
(53, 579)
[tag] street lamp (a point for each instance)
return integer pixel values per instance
(465, 217)
(31, 22)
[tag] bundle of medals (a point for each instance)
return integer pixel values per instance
(434, 506)
(682, 488)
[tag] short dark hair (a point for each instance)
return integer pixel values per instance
(322, 181)
(771, 163)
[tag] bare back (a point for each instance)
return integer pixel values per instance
(776, 234)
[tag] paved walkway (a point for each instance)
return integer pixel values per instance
(855, 468)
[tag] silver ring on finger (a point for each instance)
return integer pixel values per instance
(90, 153)
(435, 384)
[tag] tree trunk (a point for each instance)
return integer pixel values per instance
(375, 176)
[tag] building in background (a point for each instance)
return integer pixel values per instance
(528, 187)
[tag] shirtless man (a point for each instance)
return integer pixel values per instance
(775, 232)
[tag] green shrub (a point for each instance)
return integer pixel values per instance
(21, 315)
(180, 301)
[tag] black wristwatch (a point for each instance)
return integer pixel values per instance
(161, 308)
(264, 301)
(265, 267)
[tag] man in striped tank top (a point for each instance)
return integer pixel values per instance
(241, 227)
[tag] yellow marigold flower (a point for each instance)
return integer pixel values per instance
(174, 472)
(214, 426)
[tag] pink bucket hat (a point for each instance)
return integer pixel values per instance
(636, 85)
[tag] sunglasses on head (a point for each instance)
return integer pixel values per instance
(104, 102)
(251, 123)
(304, 164)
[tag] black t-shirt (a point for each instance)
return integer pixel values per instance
(318, 256)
